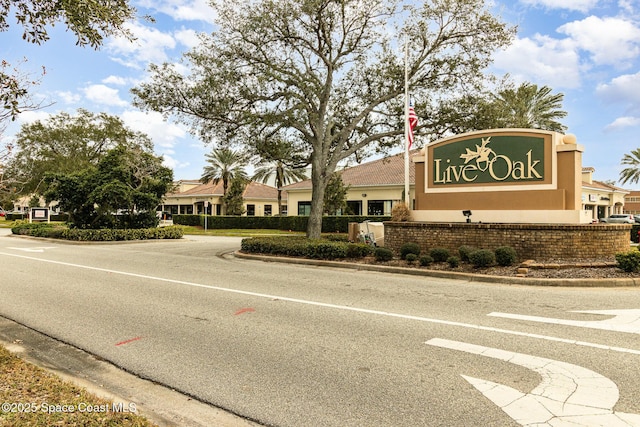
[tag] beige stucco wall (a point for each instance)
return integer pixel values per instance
(362, 194)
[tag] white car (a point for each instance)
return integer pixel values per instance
(619, 219)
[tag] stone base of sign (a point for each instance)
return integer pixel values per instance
(531, 241)
(507, 216)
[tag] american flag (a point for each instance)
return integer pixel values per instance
(413, 122)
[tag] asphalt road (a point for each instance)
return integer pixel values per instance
(290, 345)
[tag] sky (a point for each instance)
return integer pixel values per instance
(589, 50)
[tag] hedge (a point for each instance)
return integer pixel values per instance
(298, 246)
(330, 224)
(102, 235)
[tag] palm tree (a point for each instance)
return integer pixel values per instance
(530, 107)
(226, 165)
(631, 173)
(284, 175)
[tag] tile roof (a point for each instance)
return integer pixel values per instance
(254, 190)
(599, 185)
(385, 171)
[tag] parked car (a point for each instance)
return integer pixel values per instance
(2, 213)
(619, 219)
(636, 218)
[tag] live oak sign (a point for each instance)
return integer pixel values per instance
(493, 159)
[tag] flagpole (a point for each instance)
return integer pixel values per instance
(407, 198)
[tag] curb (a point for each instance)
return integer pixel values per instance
(469, 277)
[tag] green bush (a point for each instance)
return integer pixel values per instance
(439, 254)
(629, 261)
(506, 256)
(464, 252)
(299, 246)
(453, 261)
(426, 260)
(411, 258)
(482, 258)
(409, 248)
(61, 232)
(330, 224)
(358, 250)
(383, 254)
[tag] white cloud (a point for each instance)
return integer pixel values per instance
(162, 133)
(115, 80)
(104, 95)
(183, 10)
(579, 5)
(150, 46)
(611, 41)
(541, 60)
(188, 38)
(622, 89)
(68, 97)
(623, 122)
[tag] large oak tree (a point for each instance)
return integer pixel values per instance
(329, 74)
(66, 143)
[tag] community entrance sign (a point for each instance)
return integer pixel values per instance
(501, 175)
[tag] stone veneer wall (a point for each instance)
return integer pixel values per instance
(531, 241)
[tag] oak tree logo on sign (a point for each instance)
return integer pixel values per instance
(503, 159)
(481, 155)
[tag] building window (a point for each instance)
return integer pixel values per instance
(251, 210)
(304, 208)
(267, 210)
(354, 207)
(379, 207)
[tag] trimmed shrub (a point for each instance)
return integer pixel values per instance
(411, 258)
(482, 258)
(439, 254)
(359, 250)
(464, 252)
(629, 261)
(506, 256)
(453, 261)
(426, 260)
(409, 248)
(299, 246)
(383, 254)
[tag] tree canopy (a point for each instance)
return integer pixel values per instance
(329, 74)
(632, 172)
(226, 165)
(121, 191)
(526, 106)
(66, 143)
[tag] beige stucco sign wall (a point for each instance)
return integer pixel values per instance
(501, 175)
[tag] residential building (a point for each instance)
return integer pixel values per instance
(374, 188)
(599, 198)
(193, 197)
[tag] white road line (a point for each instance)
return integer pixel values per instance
(623, 320)
(337, 307)
(34, 249)
(569, 395)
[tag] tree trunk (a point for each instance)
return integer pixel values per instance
(319, 185)
(314, 226)
(279, 202)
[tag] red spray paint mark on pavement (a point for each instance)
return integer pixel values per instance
(245, 310)
(128, 341)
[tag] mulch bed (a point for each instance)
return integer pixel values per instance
(550, 269)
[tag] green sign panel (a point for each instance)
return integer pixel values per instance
(489, 160)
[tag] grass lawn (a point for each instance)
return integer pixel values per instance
(239, 232)
(32, 397)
